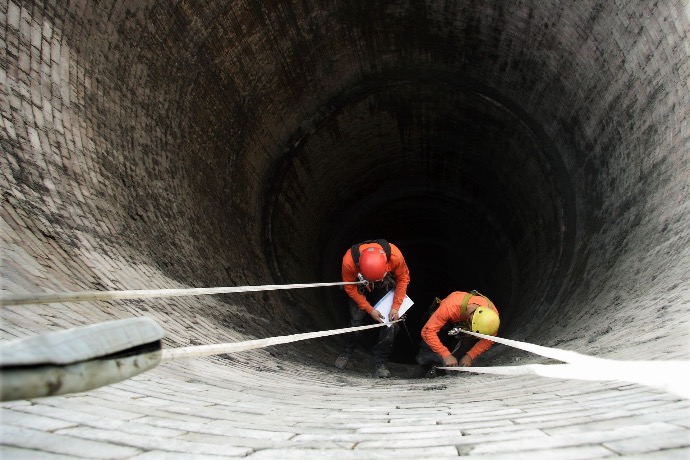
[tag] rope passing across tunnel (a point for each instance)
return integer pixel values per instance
(82, 359)
(89, 296)
(670, 376)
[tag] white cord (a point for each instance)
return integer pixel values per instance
(220, 348)
(89, 296)
(670, 376)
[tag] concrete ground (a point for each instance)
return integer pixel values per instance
(256, 407)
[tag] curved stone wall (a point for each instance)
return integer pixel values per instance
(536, 152)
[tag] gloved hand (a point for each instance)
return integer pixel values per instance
(450, 361)
(393, 315)
(378, 317)
(465, 361)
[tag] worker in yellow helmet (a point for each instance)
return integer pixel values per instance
(469, 310)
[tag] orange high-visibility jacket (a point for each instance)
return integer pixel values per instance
(397, 267)
(449, 311)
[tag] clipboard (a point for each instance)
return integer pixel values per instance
(384, 306)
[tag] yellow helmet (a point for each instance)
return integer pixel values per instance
(485, 321)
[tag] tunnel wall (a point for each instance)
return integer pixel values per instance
(108, 124)
(141, 145)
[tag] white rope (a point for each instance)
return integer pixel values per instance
(566, 356)
(220, 348)
(89, 296)
(670, 376)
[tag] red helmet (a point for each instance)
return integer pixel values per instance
(373, 264)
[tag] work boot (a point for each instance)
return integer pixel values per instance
(420, 371)
(342, 360)
(380, 371)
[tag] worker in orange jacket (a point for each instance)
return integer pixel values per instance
(469, 310)
(383, 267)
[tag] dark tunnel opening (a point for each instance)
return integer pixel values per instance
(469, 189)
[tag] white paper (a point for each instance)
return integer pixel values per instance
(384, 305)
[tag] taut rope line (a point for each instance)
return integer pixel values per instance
(89, 296)
(170, 354)
(669, 376)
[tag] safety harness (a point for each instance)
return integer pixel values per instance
(463, 309)
(466, 300)
(383, 243)
(457, 327)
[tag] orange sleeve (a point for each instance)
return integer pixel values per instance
(401, 274)
(349, 272)
(447, 311)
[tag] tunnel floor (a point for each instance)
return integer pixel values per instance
(258, 407)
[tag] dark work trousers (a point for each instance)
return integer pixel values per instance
(384, 344)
